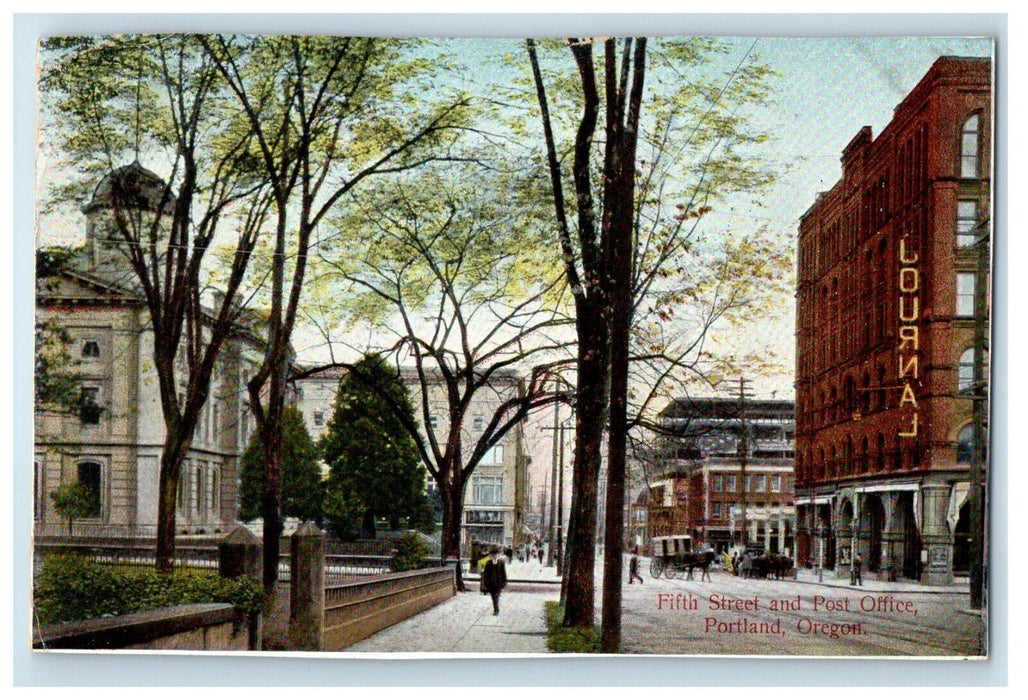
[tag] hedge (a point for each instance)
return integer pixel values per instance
(71, 587)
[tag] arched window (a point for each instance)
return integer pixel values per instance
(969, 147)
(965, 445)
(90, 475)
(880, 453)
(965, 371)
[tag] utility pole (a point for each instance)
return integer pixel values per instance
(553, 480)
(743, 450)
(556, 553)
(560, 504)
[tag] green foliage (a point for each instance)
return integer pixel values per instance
(58, 384)
(569, 640)
(73, 501)
(376, 470)
(71, 587)
(411, 553)
(302, 485)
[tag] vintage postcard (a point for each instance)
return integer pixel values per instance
(663, 345)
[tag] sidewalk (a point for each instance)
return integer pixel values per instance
(465, 624)
(871, 583)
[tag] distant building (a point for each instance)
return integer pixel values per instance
(709, 487)
(496, 496)
(889, 298)
(115, 451)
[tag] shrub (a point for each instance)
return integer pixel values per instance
(568, 640)
(71, 587)
(411, 553)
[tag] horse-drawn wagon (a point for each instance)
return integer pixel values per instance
(674, 555)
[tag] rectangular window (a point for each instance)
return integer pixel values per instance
(967, 219)
(198, 493)
(488, 490)
(89, 474)
(493, 456)
(715, 512)
(319, 418)
(478, 423)
(730, 483)
(89, 408)
(718, 483)
(433, 422)
(965, 294)
(760, 483)
(776, 484)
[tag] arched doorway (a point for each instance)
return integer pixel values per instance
(911, 560)
(872, 521)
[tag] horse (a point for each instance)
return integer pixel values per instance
(701, 560)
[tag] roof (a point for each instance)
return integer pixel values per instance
(131, 186)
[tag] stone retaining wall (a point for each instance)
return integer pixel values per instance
(359, 609)
(197, 627)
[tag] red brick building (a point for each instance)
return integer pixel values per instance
(888, 272)
(713, 488)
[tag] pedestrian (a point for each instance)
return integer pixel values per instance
(540, 554)
(509, 553)
(494, 578)
(633, 567)
(858, 579)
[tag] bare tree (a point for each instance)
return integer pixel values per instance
(327, 114)
(157, 97)
(467, 309)
(630, 271)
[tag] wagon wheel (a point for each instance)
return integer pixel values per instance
(671, 570)
(656, 567)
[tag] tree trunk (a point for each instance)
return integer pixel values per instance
(593, 354)
(167, 495)
(271, 505)
(452, 496)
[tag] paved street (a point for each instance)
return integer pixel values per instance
(729, 615)
(726, 615)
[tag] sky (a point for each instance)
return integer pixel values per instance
(825, 91)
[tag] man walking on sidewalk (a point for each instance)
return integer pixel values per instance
(494, 578)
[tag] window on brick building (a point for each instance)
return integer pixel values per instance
(969, 147)
(965, 445)
(91, 349)
(965, 294)
(967, 219)
(965, 371)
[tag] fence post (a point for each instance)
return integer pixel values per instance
(454, 564)
(307, 589)
(239, 554)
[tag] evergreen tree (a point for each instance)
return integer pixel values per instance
(372, 458)
(302, 485)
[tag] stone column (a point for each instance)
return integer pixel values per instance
(935, 535)
(307, 589)
(240, 554)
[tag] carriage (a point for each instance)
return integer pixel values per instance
(667, 554)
